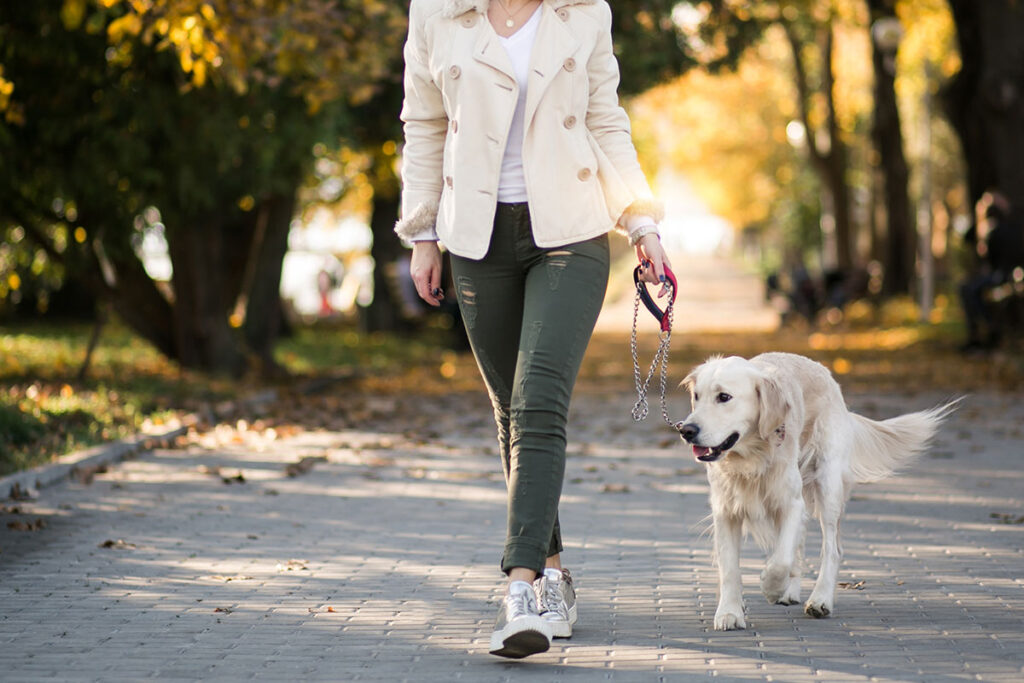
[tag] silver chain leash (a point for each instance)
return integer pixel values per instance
(640, 408)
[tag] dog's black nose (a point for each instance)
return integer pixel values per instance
(689, 432)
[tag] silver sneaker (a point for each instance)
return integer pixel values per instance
(557, 599)
(520, 630)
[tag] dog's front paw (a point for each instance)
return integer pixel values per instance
(819, 609)
(729, 619)
(775, 583)
(792, 594)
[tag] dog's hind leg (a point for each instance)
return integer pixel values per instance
(831, 498)
(728, 534)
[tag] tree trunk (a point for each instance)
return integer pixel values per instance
(837, 164)
(830, 163)
(384, 312)
(888, 138)
(203, 338)
(985, 101)
(141, 306)
(263, 314)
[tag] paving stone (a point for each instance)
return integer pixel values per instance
(394, 577)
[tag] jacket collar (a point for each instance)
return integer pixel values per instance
(455, 8)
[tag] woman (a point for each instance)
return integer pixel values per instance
(518, 160)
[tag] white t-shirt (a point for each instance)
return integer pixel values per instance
(512, 181)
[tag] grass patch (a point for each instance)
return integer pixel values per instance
(45, 412)
(326, 349)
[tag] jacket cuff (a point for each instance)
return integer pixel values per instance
(420, 224)
(651, 207)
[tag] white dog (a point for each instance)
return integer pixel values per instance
(779, 443)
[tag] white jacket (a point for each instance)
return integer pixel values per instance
(582, 173)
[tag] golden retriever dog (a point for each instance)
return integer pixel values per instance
(780, 444)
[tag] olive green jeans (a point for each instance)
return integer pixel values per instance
(529, 313)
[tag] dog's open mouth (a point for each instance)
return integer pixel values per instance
(705, 454)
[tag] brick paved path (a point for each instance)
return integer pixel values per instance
(380, 563)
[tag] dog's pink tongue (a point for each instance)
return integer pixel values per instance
(700, 451)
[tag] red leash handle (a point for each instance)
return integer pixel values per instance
(645, 296)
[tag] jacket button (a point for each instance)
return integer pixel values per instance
(569, 122)
(448, 181)
(563, 14)
(584, 174)
(455, 71)
(469, 19)
(569, 64)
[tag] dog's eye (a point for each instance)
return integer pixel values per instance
(723, 398)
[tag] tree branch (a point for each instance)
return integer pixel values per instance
(803, 90)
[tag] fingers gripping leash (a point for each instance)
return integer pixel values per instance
(664, 318)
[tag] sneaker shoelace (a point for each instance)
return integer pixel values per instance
(550, 596)
(519, 605)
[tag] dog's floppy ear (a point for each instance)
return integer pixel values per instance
(690, 381)
(772, 405)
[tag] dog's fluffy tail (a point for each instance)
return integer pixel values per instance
(882, 447)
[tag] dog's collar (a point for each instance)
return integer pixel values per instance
(454, 8)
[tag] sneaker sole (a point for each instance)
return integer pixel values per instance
(527, 639)
(562, 629)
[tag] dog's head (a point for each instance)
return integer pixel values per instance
(732, 400)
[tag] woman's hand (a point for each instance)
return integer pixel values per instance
(425, 269)
(653, 261)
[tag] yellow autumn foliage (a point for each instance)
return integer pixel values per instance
(323, 49)
(726, 132)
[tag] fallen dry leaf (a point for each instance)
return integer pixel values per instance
(305, 465)
(19, 493)
(859, 586)
(27, 526)
(292, 565)
(226, 579)
(119, 544)
(225, 610)
(615, 488)
(1007, 517)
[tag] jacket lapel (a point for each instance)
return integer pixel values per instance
(489, 50)
(553, 45)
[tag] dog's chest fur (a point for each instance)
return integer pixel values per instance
(755, 487)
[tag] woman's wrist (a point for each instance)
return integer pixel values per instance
(638, 233)
(638, 226)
